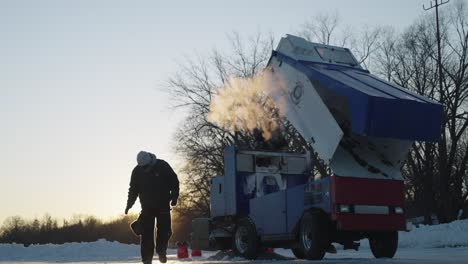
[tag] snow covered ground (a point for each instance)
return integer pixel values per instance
(445, 244)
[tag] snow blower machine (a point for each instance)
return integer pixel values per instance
(348, 187)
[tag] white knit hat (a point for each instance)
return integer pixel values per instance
(144, 158)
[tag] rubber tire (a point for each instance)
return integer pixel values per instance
(384, 245)
(317, 236)
(223, 243)
(251, 239)
(298, 253)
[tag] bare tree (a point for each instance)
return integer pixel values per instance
(435, 171)
(327, 29)
(386, 60)
(322, 29)
(366, 43)
(199, 142)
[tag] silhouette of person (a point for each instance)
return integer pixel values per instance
(156, 185)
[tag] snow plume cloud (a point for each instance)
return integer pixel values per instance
(242, 104)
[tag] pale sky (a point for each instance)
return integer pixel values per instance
(80, 86)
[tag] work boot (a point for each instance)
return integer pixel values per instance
(148, 262)
(162, 258)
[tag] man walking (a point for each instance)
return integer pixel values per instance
(156, 184)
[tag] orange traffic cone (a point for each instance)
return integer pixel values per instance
(182, 250)
(196, 253)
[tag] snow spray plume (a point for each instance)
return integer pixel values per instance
(242, 104)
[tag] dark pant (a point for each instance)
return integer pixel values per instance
(163, 233)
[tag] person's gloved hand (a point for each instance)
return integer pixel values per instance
(126, 210)
(173, 202)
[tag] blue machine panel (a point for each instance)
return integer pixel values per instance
(280, 212)
(243, 206)
(230, 186)
(217, 204)
(269, 213)
(317, 194)
(296, 179)
(295, 206)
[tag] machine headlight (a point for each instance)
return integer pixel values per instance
(345, 208)
(398, 210)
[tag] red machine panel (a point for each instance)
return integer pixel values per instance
(375, 197)
(351, 190)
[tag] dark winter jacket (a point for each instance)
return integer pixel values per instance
(156, 185)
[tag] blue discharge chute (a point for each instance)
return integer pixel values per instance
(375, 107)
(351, 118)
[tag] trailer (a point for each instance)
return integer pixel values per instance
(347, 187)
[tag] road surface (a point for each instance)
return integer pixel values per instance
(403, 256)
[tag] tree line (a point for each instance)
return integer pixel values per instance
(79, 229)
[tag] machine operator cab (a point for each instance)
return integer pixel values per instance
(255, 174)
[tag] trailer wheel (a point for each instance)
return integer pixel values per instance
(384, 245)
(313, 237)
(298, 253)
(245, 242)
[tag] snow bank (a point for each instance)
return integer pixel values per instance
(454, 234)
(96, 251)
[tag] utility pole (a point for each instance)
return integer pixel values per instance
(435, 4)
(443, 144)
